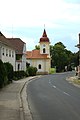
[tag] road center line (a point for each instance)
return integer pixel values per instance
(54, 86)
(49, 81)
(66, 93)
(59, 89)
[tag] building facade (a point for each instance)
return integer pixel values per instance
(13, 50)
(41, 58)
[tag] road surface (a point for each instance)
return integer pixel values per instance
(51, 97)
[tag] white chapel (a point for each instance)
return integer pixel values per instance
(41, 58)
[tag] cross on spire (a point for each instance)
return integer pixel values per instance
(44, 26)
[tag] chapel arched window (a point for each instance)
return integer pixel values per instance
(39, 66)
(44, 50)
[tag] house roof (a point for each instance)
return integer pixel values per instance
(35, 54)
(44, 37)
(4, 40)
(18, 44)
(15, 43)
(1, 34)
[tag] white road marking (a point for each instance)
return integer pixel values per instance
(59, 89)
(49, 81)
(66, 93)
(54, 86)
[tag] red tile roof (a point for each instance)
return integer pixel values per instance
(35, 54)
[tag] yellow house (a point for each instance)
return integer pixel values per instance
(41, 58)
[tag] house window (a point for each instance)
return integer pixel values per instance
(44, 50)
(12, 53)
(18, 67)
(6, 52)
(44, 45)
(3, 52)
(9, 53)
(39, 66)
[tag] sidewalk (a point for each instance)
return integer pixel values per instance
(13, 103)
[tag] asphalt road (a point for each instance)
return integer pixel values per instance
(51, 97)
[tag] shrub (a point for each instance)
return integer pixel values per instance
(52, 70)
(9, 70)
(19, 75)
(3, 75)
(32, 71)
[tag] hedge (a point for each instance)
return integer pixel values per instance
(9, 70)
(3, 75)
(19, 75)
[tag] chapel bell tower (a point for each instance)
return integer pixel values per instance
(44, 44)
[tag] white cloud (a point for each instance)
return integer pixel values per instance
(36, 12)
(55, 14)
(30, 43)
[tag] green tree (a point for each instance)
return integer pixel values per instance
(76, 59)
(37, 47)
(70, 58)
(59, 56)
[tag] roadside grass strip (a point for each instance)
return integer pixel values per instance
(76, 81)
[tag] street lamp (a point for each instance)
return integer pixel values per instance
(78, 45)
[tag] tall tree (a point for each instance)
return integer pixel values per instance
(61, 57)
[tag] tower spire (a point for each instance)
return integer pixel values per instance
(44, 33)
(44, 37)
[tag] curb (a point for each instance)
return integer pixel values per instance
(21, 104)
(21, 100)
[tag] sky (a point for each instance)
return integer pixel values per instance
(25, 19)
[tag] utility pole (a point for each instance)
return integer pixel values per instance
(78, 45)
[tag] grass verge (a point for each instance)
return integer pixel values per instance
(76, 81)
